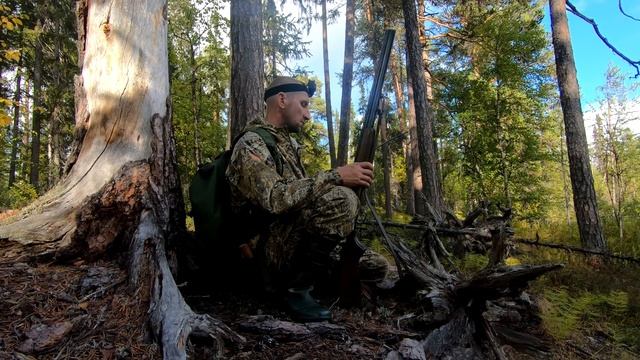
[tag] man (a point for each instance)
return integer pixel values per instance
(309, 215)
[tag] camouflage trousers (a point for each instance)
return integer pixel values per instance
(312, 232)
(307, 243)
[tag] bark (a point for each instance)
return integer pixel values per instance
(565, 185)
(425, 42)
(34, 177)
(15, 130)
(327, 86)
(247, 69)
(121, 197)
(347, 79)
(416, 172)
(584, 195)
(402, 118)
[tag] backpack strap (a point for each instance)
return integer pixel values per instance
(270, 140)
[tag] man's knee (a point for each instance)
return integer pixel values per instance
(334, 213)
(343, 203)
(349, 201)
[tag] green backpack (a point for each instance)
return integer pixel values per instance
(220, 232)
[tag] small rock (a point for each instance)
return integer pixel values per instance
(393, 355)
(412, 350)
(43, 337)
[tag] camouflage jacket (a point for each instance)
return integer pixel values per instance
(254, 179)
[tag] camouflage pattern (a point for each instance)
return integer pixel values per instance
(311, 214)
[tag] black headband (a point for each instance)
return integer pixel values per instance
(310, 89)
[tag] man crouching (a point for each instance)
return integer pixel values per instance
(308, 216)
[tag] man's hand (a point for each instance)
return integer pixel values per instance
(356, 174)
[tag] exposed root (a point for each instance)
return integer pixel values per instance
(172, 320)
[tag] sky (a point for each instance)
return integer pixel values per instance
(591, 55)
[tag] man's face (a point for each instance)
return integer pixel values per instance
(296, 110)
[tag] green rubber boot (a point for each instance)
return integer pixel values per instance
(305, 308)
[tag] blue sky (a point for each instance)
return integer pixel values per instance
(591, 55)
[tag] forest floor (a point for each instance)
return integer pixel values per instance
(84, 311)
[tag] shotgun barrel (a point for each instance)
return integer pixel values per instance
(365, 151)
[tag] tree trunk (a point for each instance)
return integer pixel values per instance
(26, 134)
(406, 144)
(327, 86)
(122, 190)
(272, 35)
(565, 185)
(34, 177)
(54, 147)
(247, 69)
(347, 79)
(584, 195)
(195, 107)
(15, 130)
(424, 113)
(414, 159)
(424, 41)
(386, 161)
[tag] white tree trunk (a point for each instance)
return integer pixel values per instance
(121, 182)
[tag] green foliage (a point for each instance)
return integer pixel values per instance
(199, 69)
(18, 195)
(616, 149)
(283, 39)
(496, 106)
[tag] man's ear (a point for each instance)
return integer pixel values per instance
(282, 100)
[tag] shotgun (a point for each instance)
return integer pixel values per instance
(365, 151)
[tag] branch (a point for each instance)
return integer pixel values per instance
(624, 13)
(570, 248)
(635, 64)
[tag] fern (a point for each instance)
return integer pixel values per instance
(563, 313)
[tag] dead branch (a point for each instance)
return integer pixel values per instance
(441, 230)
(635, 64)
(570, 248)
(624, 13)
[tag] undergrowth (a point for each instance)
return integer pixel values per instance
(589, 296)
